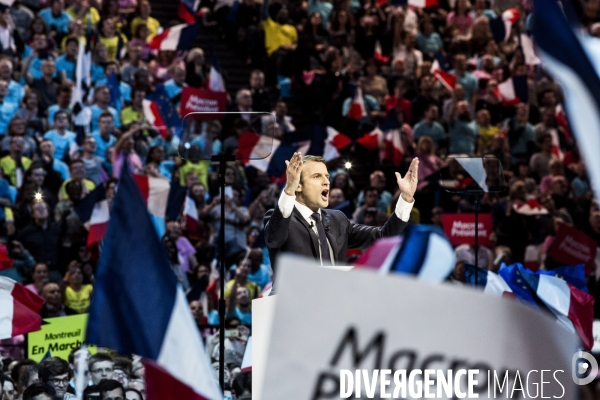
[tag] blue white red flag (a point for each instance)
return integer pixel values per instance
(139, 308)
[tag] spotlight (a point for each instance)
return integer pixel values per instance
(348, 165)
(38, 196)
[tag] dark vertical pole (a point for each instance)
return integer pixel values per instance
(222, 272)
(476, 240)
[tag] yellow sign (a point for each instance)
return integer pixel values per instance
(58, 337)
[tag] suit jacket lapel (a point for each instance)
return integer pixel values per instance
(314, 240)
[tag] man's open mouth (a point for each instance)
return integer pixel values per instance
(325, 194)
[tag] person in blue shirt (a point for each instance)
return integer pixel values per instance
(429, 126)
(65, 64)
(60, 136)
(465, 78)
(36, 55)
(47, 148)
(175, 85)
(7, 109)
(102, 98)
(104, 135)
(16, 91)
(464, 135)
(63, 103)
(428, 40)
(124, 88)
(55, 16)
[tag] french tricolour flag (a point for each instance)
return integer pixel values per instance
(178, 37)
(422, 250)
(394, 149)
(562, 292)
(423, 3)
(139, 308)
(335, 141)
(152, 115)
(378, 54)
(5, 261)
(572, 58)
(446, 78)
(190, 213)
(265, 153)
(371, 140)
(513, 91)
(19, 309)
(357, 109)
(94, 212)
(501, 26)
(491, 283)
(416, 3)
(572, 307)
(215, 77)
(189, 10)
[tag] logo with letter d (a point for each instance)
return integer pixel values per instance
(584, 368)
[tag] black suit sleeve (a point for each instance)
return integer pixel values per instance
(276, 228)
(362, 236)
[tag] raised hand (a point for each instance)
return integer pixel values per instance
(292, 173)
(408, 184)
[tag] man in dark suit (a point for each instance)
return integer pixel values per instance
(301, 224)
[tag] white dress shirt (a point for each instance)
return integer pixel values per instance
(287, 203)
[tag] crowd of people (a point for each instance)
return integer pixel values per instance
(321, 58)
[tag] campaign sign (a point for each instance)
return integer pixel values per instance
(460, 229)
(58, 337)
(337, 334)
(202, 100)
(572, 247)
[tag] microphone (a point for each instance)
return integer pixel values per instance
(327, 228)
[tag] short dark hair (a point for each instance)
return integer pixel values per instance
(105, 114)
(76, 161)
(72, 40)
(15, 374)
(107, 385)
(53, 366)
(134, 391)
(99, 357)
(59, 112)
(29, 370)
(91, 389)
(124, 364)
(370, 189)
(544, 137)
(38, 388)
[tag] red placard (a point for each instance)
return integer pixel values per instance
(460, 228)
(573, 247)
(202, 100)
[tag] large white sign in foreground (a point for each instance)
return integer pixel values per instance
(413, 335)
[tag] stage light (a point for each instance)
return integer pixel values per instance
(348, 165)
(38, 196)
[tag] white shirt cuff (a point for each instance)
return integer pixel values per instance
(286, 204)
(403, 209)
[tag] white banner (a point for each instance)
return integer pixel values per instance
(326, 321)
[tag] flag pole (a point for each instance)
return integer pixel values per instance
(477, 196)
(222, 160)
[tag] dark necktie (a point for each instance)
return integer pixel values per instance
(325, 256)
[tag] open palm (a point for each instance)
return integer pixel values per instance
(408, 184)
